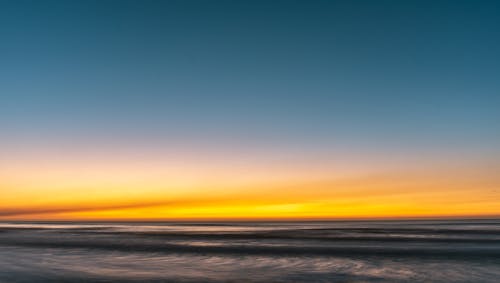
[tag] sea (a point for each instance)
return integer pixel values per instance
(317, 251)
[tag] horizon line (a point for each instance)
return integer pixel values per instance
(262, 219)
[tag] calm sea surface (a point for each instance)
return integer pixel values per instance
(357, 251)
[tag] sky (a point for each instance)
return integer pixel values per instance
(249, 109)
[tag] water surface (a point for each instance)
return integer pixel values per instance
(339, 251)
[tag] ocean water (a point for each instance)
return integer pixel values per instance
(341, 251)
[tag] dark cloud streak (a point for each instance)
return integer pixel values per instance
(6, 212)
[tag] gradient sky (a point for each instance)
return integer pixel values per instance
(249, 109)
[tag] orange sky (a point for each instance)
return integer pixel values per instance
(107, 187)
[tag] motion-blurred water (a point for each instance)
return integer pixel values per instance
(356, 251)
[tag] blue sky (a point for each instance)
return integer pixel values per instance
(314, 75)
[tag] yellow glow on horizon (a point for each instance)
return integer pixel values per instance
(121, 191)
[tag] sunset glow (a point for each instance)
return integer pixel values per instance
(243, 188)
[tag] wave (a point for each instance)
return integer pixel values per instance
(250, 252)
(340, 241)
(263, 250)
